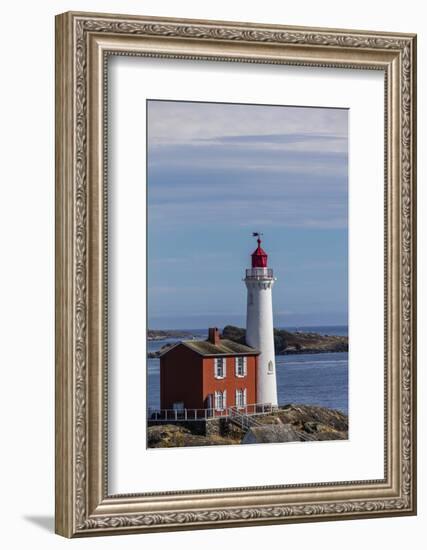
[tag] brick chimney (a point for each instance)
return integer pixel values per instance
(213, 337)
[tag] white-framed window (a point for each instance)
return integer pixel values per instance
(178, 406)
(270, 367)
(241, 366)
(210, 401)
(220, 369)
(220, 400)
(241, 398)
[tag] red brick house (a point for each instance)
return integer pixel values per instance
(212, 374)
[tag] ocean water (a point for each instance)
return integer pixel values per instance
(309, 379)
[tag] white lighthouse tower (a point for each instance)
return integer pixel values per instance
(259, 323)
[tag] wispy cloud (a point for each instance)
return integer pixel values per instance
(244, 198)
(216, 172)
(275, 166)
(243, 158)
(241, 212)
(183, 122)
(277, 138)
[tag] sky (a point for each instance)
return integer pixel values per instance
(218, 172)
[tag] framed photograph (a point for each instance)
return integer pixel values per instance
(235, 274)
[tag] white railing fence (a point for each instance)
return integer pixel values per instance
(160, 415)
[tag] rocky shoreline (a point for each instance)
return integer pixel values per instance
(156, 354)
(291, 343)
(166, 334)
(292, 422)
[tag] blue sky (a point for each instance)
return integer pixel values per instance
(218, 172)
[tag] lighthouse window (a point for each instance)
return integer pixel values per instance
(270, 367)
(219, 367)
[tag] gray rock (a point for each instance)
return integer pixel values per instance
(271, 433)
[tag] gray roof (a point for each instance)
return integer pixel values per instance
(225, 347)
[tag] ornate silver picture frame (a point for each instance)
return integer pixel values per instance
(84, 505)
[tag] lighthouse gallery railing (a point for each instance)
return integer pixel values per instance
(259, 273)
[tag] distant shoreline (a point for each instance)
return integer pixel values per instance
(154, 335)
(285, 342)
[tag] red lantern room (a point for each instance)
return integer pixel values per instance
(259, 257)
